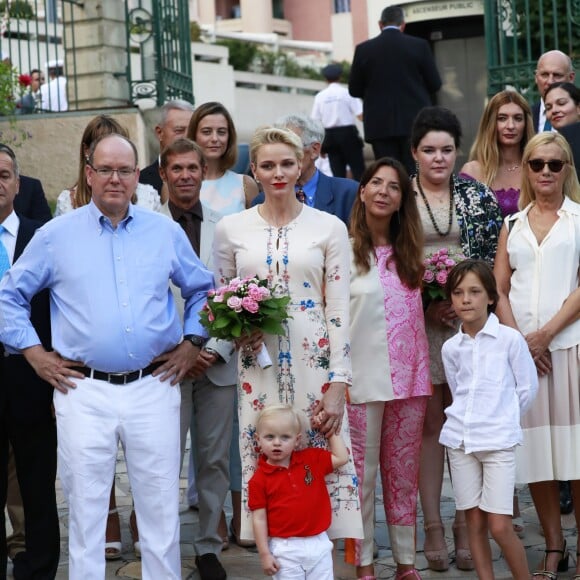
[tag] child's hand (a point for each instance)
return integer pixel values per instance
(269, 564)
(317, 419)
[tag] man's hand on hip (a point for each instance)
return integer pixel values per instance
(51, 367)
(176, 362)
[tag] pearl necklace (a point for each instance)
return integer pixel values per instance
(512, 168)
(430, 212)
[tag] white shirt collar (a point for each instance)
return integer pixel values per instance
(11, 224)
(491, 327)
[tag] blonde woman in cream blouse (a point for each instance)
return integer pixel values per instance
(536, 269)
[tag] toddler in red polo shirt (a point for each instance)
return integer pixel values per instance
(288, 497)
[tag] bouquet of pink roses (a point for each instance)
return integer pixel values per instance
(244, 305)
(437, 268)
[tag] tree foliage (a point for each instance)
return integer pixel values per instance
(247, 56)
(18, 9)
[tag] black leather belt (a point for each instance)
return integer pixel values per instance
(118, 378)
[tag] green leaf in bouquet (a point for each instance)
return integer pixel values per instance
(271, 326)
(221, 322)
(236, 330)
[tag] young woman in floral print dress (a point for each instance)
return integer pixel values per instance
(304, 253)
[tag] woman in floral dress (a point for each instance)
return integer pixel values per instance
(461, 215)
(304, 253)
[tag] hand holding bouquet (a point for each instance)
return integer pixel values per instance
(437, 268)
(242, 306)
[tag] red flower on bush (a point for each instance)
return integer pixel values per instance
(247, 388)
(323, 342)
(24, 80)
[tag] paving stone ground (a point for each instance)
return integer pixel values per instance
(242, 564)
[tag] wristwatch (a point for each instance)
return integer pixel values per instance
(195, 339)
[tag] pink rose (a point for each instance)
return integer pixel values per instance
(235, 303)
(210, 293)
(254, 292)
(218, 298)
(210, 316)
(250, 305)
(428, 276)
(441, 277)
(234, 284)
(450, 262)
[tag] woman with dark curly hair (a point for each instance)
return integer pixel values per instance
(463, 216)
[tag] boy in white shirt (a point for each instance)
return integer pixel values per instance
(493, 381)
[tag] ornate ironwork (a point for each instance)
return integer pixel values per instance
(518, 31)
(158, 30)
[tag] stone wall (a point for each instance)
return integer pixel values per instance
(51, 152)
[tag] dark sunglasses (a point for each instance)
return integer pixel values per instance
(554, 165)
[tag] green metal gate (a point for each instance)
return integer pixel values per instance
(158, 31)
(517, 32)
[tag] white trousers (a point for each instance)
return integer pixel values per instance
(91, 420)
(307, 558)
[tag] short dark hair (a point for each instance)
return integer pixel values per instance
(178, 147)
(570, 88)
(10, 152)
(435, 119)
(392, 15)
(482, 270)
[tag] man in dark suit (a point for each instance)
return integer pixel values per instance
(333, 195)
(572, 135)
(395, 75)
(553, 67)
(30, 102)
(31, 201)
(26, 420)
(175, 116)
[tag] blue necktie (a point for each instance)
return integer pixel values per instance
(4, 260)
(547, 125)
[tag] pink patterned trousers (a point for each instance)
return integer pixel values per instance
(388, 434)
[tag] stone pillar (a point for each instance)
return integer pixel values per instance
(98, 57)
(257, 16)
(205, 12)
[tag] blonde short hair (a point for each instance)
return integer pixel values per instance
(297, 418)
(272, 136)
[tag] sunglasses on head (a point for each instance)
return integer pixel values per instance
(554, 165)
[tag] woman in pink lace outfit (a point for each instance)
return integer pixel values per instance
(390, 358)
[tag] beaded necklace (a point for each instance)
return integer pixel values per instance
(430, 212)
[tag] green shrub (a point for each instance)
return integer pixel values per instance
(18, 9)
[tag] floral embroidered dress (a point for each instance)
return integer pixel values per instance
(309, 260)
(474, 232)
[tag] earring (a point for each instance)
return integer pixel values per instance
(416, 168)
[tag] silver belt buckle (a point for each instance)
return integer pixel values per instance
(124, 375)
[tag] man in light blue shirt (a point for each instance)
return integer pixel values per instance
(118, 353)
